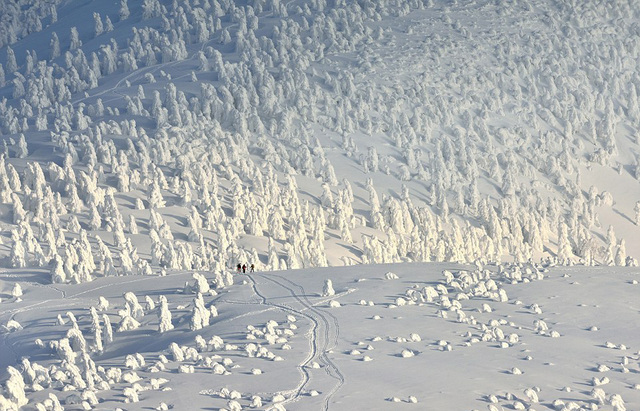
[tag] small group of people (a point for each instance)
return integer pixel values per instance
(242, 268)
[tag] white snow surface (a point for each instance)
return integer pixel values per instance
(487, 152)
(462, 377)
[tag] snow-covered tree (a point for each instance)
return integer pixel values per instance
(54, 46)
(11, 63)
(155, 196)
(15, 388)
(199, 315)
(327, 290)
(21, 147)
(98, 26)
(621, 254)
(18, 252)
(124, 10)
(75, 42)
(164, 315)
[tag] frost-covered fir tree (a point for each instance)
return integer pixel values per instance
(610, 251)
(327, 290)
(124, 10)
(155, 196)
(621, 254)
(98, 26)
(18, 256)
(54, 46)
(199, 315)
(21, 147)
(164, 315)
(74, 39)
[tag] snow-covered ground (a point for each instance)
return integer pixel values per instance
(437, 334)
(149, 144)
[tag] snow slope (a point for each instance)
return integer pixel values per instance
(146, 140)
(408, 130)
(460, 357)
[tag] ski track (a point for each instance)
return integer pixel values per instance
(63, 302)
(330, 367)
(140, 72)
(323, 335)
(295, 393)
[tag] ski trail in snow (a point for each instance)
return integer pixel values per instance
(64, 301)
(294, 394)
(153, 69)
(323, 335)
(331, 333)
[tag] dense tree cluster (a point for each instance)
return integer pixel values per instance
(266, 131)
(233, 153)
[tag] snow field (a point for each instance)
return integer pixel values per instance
(150, 147)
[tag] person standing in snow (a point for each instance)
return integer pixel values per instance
(252, 268)
(239, 267)
(244, 268)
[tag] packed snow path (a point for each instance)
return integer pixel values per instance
(323, 335)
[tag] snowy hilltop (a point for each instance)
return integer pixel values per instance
(151, 147)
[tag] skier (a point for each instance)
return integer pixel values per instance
(244, 268)
(238, 268)
(252, 268)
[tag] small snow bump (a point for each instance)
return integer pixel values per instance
(277, 398)
(595, 381)
(517, 405)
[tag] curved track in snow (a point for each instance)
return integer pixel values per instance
(323, 337)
